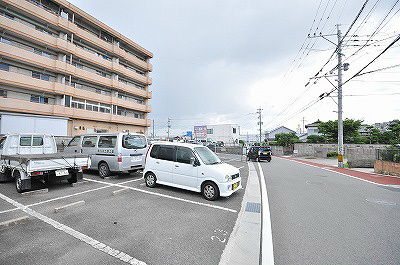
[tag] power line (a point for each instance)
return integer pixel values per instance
(387, 48)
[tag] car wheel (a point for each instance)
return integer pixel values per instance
(104, 170)
(72, 179)
(151, 180)
(18, 182)
(258, 159)
(210, 191)
(269, 159)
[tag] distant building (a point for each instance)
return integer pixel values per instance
(312, 128)
(227, 133)
(271, 135)
(384, 126)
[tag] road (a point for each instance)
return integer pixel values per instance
(322, 217)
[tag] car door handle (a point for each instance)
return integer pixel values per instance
(176, 166)
(157, 162)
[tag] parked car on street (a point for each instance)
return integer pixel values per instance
(259, 153)
(111, 152)
(34, 156)
(190, 167)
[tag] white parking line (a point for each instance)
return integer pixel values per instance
(69, 196)
(78, 193)
(267, 247)
(165, 196)
(78, 235)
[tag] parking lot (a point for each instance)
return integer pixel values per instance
(116, 220)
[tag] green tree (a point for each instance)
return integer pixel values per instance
(394, 127)
(284, 139)
(315, 138)
(350, 130)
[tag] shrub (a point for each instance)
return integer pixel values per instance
(332, 154)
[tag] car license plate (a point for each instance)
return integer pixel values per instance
(61, 172)
(136, 158)
(265, 153)
(235, 185)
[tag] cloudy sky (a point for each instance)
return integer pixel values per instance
(217, 61)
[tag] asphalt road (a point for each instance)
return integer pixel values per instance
(160, 225)
(322, 217)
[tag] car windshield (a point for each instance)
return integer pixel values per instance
(133, 141)
(265, 149)
(207, 156)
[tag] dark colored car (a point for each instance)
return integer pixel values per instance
(259, 153)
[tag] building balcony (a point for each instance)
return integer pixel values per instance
(51, 41)
(23, 106)
(24, 81)
(67, 25)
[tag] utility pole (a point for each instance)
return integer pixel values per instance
(303, 128)
(169, 126)
(260, 122)
(340, 95)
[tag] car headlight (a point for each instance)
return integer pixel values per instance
(228, 178)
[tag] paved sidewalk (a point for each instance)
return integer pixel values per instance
(333, 162)
(244, 243)
(366, 175)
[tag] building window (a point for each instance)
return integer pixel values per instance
(209, 131)
(234, 130)
(4, 67)
(3, 93)
(39, 99)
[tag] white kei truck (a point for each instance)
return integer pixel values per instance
(28, 156)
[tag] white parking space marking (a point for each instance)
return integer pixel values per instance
(78, 193)
(165, 196)
(9, 210)
(267, 248)
(78, 235)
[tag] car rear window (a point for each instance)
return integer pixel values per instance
(25, 141)
(134, 141)
(37, 141)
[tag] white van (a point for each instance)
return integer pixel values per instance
(111, 152)
(190, 167)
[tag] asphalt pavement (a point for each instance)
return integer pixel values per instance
(319, 216)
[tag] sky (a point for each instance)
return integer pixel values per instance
(218, 61)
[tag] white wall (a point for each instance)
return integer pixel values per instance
(224, 133)
(18, 123)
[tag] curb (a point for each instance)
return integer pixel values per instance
(14, 221)
(65, 207)
(244, 241)
(116, 192)
(32, 192)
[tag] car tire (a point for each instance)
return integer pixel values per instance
(72, 179)
(104, 170)
(18, 182)
(210, 191)
(151, 180)
(269, 159)
(258, 159)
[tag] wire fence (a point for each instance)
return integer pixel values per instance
(391, 155)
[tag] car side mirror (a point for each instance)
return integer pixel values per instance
(193, 161)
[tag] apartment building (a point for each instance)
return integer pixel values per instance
(58, 62)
